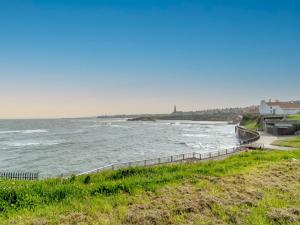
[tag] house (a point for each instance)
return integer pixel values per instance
(279, 108)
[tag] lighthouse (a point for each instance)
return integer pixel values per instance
(174, 111)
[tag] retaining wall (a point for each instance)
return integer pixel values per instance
(245, 135)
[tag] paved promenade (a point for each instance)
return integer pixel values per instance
(266, 140)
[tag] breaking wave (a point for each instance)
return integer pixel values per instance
(23, 131)
(195, 135)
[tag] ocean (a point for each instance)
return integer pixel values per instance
(65, 146)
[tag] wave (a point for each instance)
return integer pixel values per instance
(96, 125)
(34, 131)
(23, 131)
(9, 131)
(198, 145)
(106, 125)
(32, 143)
(195, 135)
(119, 126)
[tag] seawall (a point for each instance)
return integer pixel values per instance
(245, 135)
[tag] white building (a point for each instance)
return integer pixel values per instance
(279, 108)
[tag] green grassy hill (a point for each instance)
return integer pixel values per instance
(289, 142)
(250, 121)
(294, 117)
(254, 187)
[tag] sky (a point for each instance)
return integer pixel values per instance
(86, 58)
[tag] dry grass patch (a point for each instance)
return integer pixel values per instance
(226, 200)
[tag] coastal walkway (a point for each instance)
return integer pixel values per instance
(266, 141)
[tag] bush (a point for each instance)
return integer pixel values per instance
(87, 179)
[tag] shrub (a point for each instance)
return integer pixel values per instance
(87, 179)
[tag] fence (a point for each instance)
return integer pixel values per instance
(20, 175)
(168, 159)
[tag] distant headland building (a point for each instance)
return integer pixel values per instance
(279, 108)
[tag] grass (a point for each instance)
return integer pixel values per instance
(294, 117)
(288, 142)
(197, 193)
(250, 121)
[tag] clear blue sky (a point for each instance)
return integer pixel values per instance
(79, 58)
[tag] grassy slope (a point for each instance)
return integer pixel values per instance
(250, 121)
(289, 142)
(241, 189)
(294, 117)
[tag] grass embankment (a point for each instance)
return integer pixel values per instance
(255, 187)
(250, 121)
(294, 117)
(289, 142)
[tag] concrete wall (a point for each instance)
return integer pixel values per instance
(281, 127)
(245, 135)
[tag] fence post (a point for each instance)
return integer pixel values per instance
(200, 156)
(182, 156)
(158, 160)
(112, 167)
(145, 162)
(193, 154)
(171, 158)
(210, 155)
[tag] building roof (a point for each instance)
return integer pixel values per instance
(285, 105)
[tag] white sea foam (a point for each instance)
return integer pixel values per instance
(34, 131)
(195, 135)
(119, 126)
(23, 131)
(31, 143)
(9, 131)
(95, 126)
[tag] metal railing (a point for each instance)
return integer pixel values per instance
(168, 159)
(20, 175)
